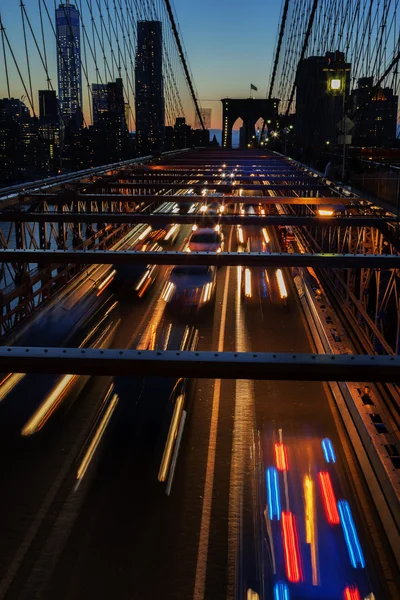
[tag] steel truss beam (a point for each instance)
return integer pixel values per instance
(157, 176)
(210, 170)
(221, 365)
(200, 219)
(368, 297)
(53, 200)
(228, 259)
(227, 185)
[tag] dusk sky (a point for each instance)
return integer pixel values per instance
(229, 43)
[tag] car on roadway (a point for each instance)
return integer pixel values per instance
(206, 239)
(136, 279)
(260, 284)
(190, 287)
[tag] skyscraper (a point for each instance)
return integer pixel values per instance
(205, 115)
(49, 118)
(149, 99)
(48, 106)
(323, 83)
(18, 141)
(69, 64)
(100, 101)
(375, 114)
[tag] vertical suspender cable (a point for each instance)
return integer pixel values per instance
(183, 60)
(303, 51)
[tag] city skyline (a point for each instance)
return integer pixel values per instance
(238, 67)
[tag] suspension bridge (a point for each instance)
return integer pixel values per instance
(199, 345)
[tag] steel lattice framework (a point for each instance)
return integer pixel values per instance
(52, 233)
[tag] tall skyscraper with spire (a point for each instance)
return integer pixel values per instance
(69, 64)
(149, 88)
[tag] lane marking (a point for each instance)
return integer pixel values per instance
(241, 460)
(202, 553)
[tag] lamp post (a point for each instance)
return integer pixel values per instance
(337, 85)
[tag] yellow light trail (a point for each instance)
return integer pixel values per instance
(281, 284)
(48, 406)
(97, 438)
(172, 433)
(311, 524)
(147, 340)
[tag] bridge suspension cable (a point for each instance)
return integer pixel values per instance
(366, 31)
(104, 47)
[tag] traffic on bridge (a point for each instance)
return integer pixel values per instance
(149, 485)
(200, 300)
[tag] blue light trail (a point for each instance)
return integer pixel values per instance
(274, 501)
(350, 535)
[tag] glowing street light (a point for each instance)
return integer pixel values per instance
(325, 212)
(335, 84)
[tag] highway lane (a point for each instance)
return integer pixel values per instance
(166, 536)
(128, 539)
(126, 509)
(127, 480)
(305, 412)
(34, 469)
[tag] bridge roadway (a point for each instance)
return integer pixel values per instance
(118, 535)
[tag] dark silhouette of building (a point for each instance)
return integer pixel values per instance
(99, 101)
(182, 134)
(375, 114)
(168, 138)
(149, 92)
(69, 64)
(20, 152)
(116, 118)
(200, 137)
(49, 116)
(49, 128)
(322, 84)
(109, 133)
(48, 106)
(250, 110)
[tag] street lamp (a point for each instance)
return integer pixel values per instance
(335, 85)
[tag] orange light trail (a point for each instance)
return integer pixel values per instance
(291, 548)
(328, 497)
(281, 457)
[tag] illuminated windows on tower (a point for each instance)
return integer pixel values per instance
(69, 64)
(149, 84)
